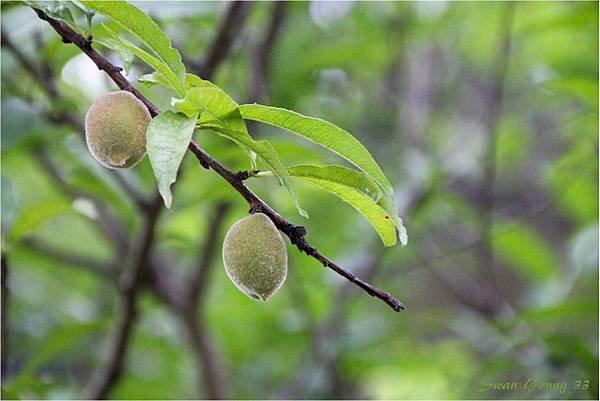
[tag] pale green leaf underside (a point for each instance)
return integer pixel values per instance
(375, 214)
(220, 113)
(167, 139)
(124, 52)
(323, 133)
(144, 28)
(269, 155)
(388, 205)
(155, 78)
(163, 69)
(218, 109)
(340, 175)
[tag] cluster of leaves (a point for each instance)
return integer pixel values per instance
(200, 104)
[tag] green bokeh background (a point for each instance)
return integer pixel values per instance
(412, 81)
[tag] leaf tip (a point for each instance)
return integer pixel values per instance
(167, 197)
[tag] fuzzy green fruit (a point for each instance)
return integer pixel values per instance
(255, 256)
(115, 129)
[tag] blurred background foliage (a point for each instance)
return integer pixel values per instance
(483, 115)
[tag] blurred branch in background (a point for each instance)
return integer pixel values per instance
(493, 123)
(139, 257)
(491, 117)
(5, 329)
(210, 364)
(261, 53)
(103, 270)
(325, 336)
(129, 285)
(230, 26)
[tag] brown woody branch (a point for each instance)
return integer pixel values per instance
(211, 369)
(4, 293)
(104, 270)
(295, 233)
(130, 285)
(261, 54)
(229, 28)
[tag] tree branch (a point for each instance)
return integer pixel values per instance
(130, 284)
(104, 270)
(295, 233)
(4, 294)
(491, 120)
(211, 369)
(199, 277)
(262, 53)
(231, 24)
(39, 73)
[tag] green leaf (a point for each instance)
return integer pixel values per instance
(269, 155)
(167, 139)
(170, 77)
(55, 9)
(375, 214)
(144, 28)
(192, 80)
(323, 133)
(389, 206)
(59, 10)
(340, 175)
(124, 52)
(220, 113)
(156, 78)
(525, 250)
(32, 217)
(217, 110)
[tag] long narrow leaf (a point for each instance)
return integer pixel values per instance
(152, 61)
(144, 28)
(340, 175)
(376, 215)
(323, 133)
(220, 113)
(269, 155)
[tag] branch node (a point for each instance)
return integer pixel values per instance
(244, 175)
(256, 207)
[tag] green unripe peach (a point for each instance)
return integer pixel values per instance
(255, 256)
(115, 129)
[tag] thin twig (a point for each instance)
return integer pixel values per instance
(295, 233)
